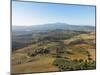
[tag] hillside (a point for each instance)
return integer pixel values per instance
(75, 50)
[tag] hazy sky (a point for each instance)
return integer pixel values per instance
(30, 13)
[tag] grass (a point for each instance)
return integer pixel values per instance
(75, 48)
(43, 64)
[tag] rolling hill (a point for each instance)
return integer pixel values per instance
(55, 50)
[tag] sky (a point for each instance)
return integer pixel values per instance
(32, 13)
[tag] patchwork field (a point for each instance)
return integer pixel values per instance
(57, 50)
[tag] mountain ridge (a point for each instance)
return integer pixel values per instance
(53, 26)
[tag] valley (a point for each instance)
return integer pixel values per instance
(52, 48)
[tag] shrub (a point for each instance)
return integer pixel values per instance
(69, 65)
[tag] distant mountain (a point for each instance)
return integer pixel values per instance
(53, 26)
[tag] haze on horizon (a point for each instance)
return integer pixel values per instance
(32, 13)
